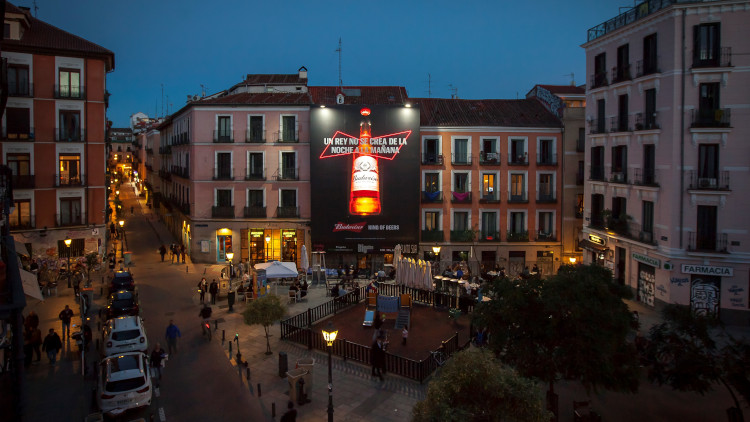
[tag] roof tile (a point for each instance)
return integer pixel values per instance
(508, 113)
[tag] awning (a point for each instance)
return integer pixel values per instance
(21, 249)
(30, 285)
(594, 247)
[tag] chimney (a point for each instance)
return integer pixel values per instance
(303, 72)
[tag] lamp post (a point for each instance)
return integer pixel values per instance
(122, 238)
(329, 334)
(229, 255)
(67, 242)
(436, 251)
(268, 241)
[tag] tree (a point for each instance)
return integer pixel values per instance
(91, 260)
(264, 311)
(474, 386)
(573, 325)
(685, 355)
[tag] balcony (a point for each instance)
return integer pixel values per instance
(645, 177)
(432, 197)
(462, 236)
(287, 173)
(621, 73)
(546, 237)
(222, 173)
(597, 219)
(489, 158)
(183, 207)
(711, 118)
(287, 212)
(640, 11)
(598, 80)
(62, 180)
(254, 212)
(26, 90)
(521, 198)
(578, 211)
(70, 92)
(619, 225)
(579, 178)
(546, 198)
(255, 136)
(546, 159)
(286, 137)
(644, 236)
(16, 134)
(489, 198)
(647, 67)
(70, 135)
(715, 243)
(581, 144)
(521, 236)
(620, 124)
(222, 211)
(432, 159)
(64, 220)
(165, 175)
(180, 172)
(23, 224)
(255, 174)
(518, 160)
(597, 173)
(597, 126)
(721, 57)
(23, 181)
(489, 236)
(461, 197)
(719, 181)
(618, 176)
(180, 139)
(223, 137)
(165, 150)
(461, 159)
(648, 121)
(432, 236)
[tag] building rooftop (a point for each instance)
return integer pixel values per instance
(44, 38)
(326, 95)
(508, 113)
(565, 89)
(264, 98)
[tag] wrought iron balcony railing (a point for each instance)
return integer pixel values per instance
(549, 159)
(22, 223)
(462, 236)
(717, 181)
(223, 137)
(287, 173)
(596, 173)
(647, 121)
(461, 197)
(461, 159)
(432, 159)
(489, 158)
(255, 174)
(621, 73)
(597, 126)
(715, 242)
(65, 220)
(432, 236)
(647, 67)
(711, 57)
(70, 92)
(223, 173)
(620, 124)
(489, 236)
(255, 211)
(284, 137)
(21, 90)
(519, 198)
(645, 177)
(489, 197)
(70, 134)
(287, 212)
(24, 181)
(222, 211)
(255, 136)
(618, 175)
(545, 237)
(711, 117)
(517, 236)
(598, 80)
(546, 198)
(16, 134)
(62, 180)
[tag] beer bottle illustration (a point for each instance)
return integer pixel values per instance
(365, 188)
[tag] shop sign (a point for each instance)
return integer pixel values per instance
(708, 270)
(288, 233)
(596, 239)
(647, 260)
(257, 233)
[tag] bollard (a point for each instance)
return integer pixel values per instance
(216, 325)
(248, 373)
(186, 269)
(238, 357)
(273, 409)
(258, 389)
(230, 348)
(222, 335)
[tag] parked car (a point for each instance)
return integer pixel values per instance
(124, 383)
(122, 302)
(121, 280)
(124, 334)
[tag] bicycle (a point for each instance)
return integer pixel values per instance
(206, 327)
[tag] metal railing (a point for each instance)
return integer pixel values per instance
(718, 117)
(24, 181)
(522, 236)
(646, 67)
(25, 90)
(282, 137)
(222, 211)
(518, 160)
(620, 124)
(70, 135)
(640, 11)
(432, 159)
(518, 198)
(29, 222)
(287, 173)
(70, 92)
(432, 197)
(621, 73)
(67, 220)
(19, 134)
(645, 177)
(489, 236)
(546, 159)
(461, 197)
(181, 172)
(165, 150)
(647, 121)
(461, 159)
(598, 80)
(709, 243)
(287, 212)
(489, 198)
(223, 137)
(255, 174)
(222, 173)
(432, 236)
(718, 58)
(597, 126)
(64, 180)
(489, 158)
(596, 173)
(255, 212)
(546, 237)
(254, 136)
(462, 236)
(546, 198)
(618, 176)
(718, 181)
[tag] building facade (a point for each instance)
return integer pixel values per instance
(53, 135)
(667, 114)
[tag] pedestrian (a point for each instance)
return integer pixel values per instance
(291, 414)
(202, 287)
(27, 347)
(32, 320)
(158, 356)
(36, 342)
(404, 335)
(131, 210)
(65, 316)
(52, 345)
(171, 253)
(377, 358)
(162, 251)
(172, 334)
(213, 289)
(182, 253)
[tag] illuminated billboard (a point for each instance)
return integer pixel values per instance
(364, 177)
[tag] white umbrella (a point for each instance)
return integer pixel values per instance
(428, 277)
(305, 261)
(397, 255)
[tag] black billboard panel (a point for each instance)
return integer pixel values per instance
(365, 177)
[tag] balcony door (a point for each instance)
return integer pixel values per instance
(489, 186)
(489, 225)
(517, 222)
(431, 151)
(70, 125)
(70, 211)
(461, 151)
(224, 198)
(70, 169)
(289, 165)
(288, 198)
(708, 102)
(224, 165)
(706, 228)
(70, 83)
(708, 164)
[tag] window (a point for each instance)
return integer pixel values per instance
(619, 164)
(706, 228)
(6, 31)
(517, 187)
(546, 225)
(579, 205)
(489, 152)
(431, 152)
(224, 131)
(706, 44)
(600, 70)
(648, 219)
(650, 56)
(288, 168)
(517, 222)
(21, 215)
(70, 126)
(597, 207)
(489, 226)
(622, 72)
(432, 182)
(489, 187)
(460, 220)
(224, 198)
(70, 211)
(432, 220)
(622, 114)
(650, 120)
(461, 151)
(288, 198)
(288, 129)
(223, 170)
(649, 164)
(518, 153)
(619, 208)
(255, 197)
(461, 182)
(70, 169)
(599, 124)
(255, 169)
(597, 163)
(256, 132)
(70, 83)
(18, 123)
(709, 112)
(546, 152)
(546, 187)
(708, 165)
(18, 80)
(20, 164)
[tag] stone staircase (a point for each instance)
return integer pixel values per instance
(403, 319)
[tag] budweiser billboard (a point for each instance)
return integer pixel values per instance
(364, 177)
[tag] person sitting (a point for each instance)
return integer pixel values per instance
(335, 290)
(381, 275)
(294, 288)
(303, 289)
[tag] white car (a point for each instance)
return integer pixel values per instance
(124, 334)
(124, 383)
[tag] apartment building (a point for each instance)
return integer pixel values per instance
(667, 114)
(491, 183)
(231, 172)
(53, 135)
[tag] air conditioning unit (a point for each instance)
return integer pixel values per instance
(618, 177)
(706, 182)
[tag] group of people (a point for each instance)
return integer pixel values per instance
(299, 289)
(212, 289)
(176, 252)
(52, 343)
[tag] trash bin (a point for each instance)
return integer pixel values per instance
(308, 364)
(294, 376)
(230, 299)
(126, 258)
(283, 364)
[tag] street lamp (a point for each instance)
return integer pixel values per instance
(436, 251)
(230, 255)
(67, 242)
(122, 239)
(268, 240)
(329, 334)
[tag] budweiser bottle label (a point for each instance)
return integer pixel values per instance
(365, 176)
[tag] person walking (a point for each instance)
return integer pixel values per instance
(171, 253)
(213, 289)
(291, 414)
(171, 335)
(27, 347)
(377, 358)
(182, 253)
(404, 335)
(162, 252)
(65, 316)
(157, 357)
(52, 344)
(36, 342)
(202, 287)
(32, 320)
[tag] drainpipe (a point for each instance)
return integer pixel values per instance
(86, 150)
(682, 131)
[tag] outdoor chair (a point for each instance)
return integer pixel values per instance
(292, 296)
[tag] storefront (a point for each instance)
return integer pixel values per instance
(646, 287)
(263, 245)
